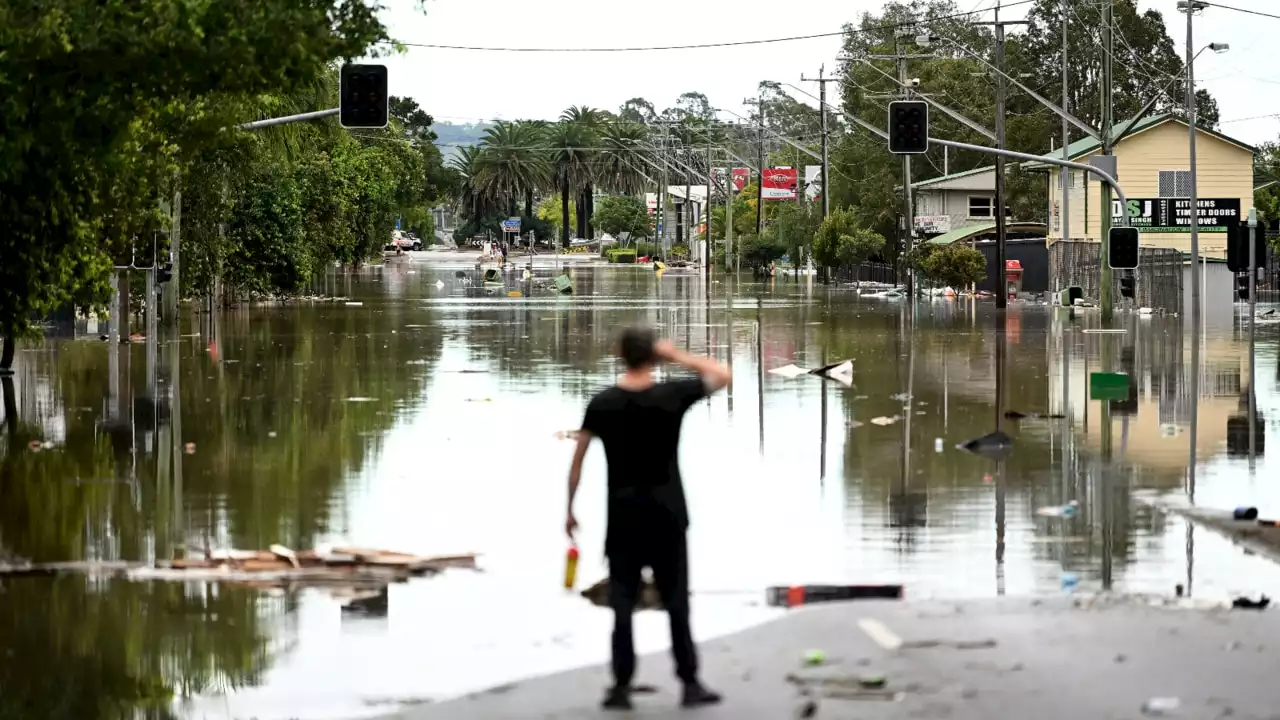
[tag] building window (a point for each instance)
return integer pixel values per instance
(1175, 183)
(981, 206)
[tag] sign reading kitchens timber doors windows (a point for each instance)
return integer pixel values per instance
(1173, 215)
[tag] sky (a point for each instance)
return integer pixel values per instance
(469, 86)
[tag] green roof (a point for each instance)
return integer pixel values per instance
(970, 231)
(1087, 144)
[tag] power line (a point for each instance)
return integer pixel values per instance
(1244, 10)
(700, 46)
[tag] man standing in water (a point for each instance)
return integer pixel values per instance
(639, 420)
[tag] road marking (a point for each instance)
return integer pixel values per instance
(880, 633)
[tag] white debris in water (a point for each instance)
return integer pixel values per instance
(360, 399)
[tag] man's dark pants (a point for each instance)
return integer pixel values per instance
(666, 553)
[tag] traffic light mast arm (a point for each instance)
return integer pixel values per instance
(1102, 174)
(301, 117)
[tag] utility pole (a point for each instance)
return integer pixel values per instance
(1106, 293)
(662, 197)
(1190, 8)
(908, 207)
(822, 109)
(1064, 210)
(706, 214)
(1002, 293)
(759, 103)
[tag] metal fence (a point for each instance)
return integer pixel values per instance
(866, 272)
(1159, 273)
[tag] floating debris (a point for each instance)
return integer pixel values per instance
(1244, 603)
(993, 444)
(841, 372)
(278, 567)
(882, 421)
(360, 399)
(1066, 511)
(1017, 415)
(351, 303)
(189, 448)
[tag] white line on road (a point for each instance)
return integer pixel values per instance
(880, 633)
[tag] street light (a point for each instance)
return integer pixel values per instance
(1219, 47)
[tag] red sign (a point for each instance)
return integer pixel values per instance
(1012, 264)
(741, 176)
(779, 184)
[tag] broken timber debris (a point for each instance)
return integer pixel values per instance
(276, 567)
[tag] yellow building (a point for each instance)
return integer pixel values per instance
(1153, 169)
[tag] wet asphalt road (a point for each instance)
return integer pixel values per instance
(1065, 658)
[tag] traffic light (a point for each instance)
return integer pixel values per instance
(908, 127)
(1122, 248)
(1237, 250)
(363, 94)
(1127, 285)
(164, 273)
(1239, 234)
(1242, 286)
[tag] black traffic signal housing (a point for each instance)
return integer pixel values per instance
(164, 273)
(1242, 286)
(908, 127)
(1122, 248)
(1237, 250)
(1239, 234)
(1127, 285)
(363, 96)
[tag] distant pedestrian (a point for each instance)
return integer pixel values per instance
(647, 515)
(504, 252)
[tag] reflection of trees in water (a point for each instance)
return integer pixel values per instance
(275, 442)
(77, 648)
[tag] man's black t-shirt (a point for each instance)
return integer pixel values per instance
(640, 430)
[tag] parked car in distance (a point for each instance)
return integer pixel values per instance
(403, 241)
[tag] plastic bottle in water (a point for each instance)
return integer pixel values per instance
(571, 568)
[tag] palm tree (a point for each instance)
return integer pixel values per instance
(513, 162)
(590, 120)
(622, 157)
(470, 194)
(571, 158)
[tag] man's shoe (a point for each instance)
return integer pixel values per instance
(617, 698)
(695, 695)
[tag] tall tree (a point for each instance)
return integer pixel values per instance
(513, 163)
(571, 158)
(102, 97)
(590, 120)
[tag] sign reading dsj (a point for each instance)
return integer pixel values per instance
(779, 184)
(1173, 215)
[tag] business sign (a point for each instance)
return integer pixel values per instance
(779, 184)
(933, 224)
(511, 225)
(741, 177)
(651, 202)
(1173, 215)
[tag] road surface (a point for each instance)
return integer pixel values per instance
(1061, 658)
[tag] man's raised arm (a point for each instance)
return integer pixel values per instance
(715, 376)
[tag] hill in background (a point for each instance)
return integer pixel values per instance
(449, 135)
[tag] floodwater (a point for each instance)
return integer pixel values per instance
(423, 419)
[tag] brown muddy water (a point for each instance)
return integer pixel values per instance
(424, 418)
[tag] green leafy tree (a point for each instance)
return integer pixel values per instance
(827, 241)
(859, 247)
(758, 252)
(793, 226)
(103, 103)
(956, 266)
(616, 215)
